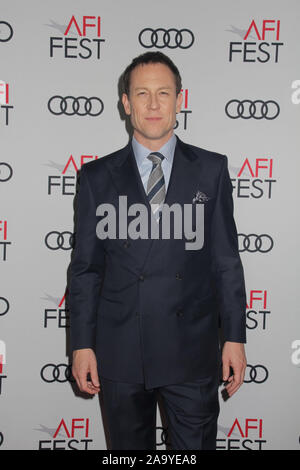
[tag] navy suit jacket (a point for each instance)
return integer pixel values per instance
(149, 308)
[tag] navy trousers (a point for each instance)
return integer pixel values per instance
(191, 408)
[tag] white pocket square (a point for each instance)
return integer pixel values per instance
(200, 197)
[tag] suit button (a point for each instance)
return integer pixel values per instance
(179, 313)
(142, 277)
(178, 276)
(126, 244)
(137, 314)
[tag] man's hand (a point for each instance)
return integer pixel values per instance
(233, 355)
(84, 362)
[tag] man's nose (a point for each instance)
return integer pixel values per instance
(153, 101)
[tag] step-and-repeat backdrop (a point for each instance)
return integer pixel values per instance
(60, 63)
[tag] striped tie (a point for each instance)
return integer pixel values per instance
(156, 189)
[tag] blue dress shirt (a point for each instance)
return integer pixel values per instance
(145, 165)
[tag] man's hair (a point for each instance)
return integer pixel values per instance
(151, 58)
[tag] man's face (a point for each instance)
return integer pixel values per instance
(152, 104)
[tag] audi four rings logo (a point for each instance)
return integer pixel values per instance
(6, 31)
(71, 106)
(57, 373)
(59, 240)
(6, 171)
(163, 436)
(257, 109)
(257, 374)
(5, 307)
(252, 242)
(171, 38)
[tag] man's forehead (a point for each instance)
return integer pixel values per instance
(152, 68)
(152, 73)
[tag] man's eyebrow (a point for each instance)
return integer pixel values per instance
(160, 88)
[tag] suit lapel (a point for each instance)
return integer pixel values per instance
(181, 175)
(126, 176)
(127, 180)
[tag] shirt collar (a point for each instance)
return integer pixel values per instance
(167, 150)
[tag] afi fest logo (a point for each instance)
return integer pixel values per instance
(260, 42)
(72, 434)
(258, 313)
(254, 178)
(3, 240)
(184, 112)
(2, 362)
(81, 38)
(65, 182)
(59, 315)
(296, 93)
(244, 434)
(5, 107)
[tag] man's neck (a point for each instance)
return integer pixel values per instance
(153, 144)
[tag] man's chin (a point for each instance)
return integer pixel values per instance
(155, 136)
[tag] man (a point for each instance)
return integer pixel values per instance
(144, 311)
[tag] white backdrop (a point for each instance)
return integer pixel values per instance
(225, 51)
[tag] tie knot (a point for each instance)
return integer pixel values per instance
(156, 158)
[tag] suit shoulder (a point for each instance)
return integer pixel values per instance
(205, 153)
(209, 158)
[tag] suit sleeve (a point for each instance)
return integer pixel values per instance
(227, 265)
(86, 269)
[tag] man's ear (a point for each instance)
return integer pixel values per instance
(126, 104)
(179, 102)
